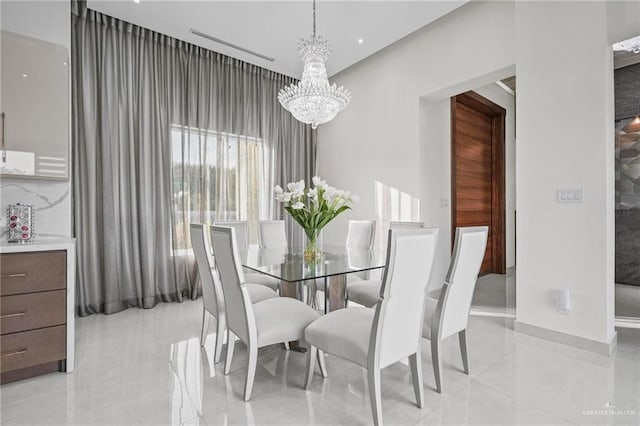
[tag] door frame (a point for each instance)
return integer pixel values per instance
(497, 232)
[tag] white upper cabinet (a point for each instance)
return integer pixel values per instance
(34, 101)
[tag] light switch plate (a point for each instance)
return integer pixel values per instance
(570, 195)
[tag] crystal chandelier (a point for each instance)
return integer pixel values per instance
(630, 45)
(312, 100)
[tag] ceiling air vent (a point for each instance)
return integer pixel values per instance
(226, 43)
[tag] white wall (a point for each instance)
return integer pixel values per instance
(435, 158)
(565, 140)
(49, 21)
(376, 138)
(564, 121)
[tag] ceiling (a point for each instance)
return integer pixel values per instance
(272, 28)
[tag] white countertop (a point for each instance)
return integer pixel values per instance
(43, 244)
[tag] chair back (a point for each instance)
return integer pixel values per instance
(272, 234)
(406, 225)
(242, 235)
(361, 234)
(240, 318)
(456, 295)
(397, 326)
(211, 288)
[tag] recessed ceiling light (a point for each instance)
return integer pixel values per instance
(136, 1)
(24, 76)
(360, 41)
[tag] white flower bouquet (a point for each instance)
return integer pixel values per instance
(313, 208)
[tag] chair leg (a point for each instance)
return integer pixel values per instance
(462, 337)
(287, 347)
(251, 372)
(229, 358)
(373, 377)
(415, 362)
(322, 364)
(311, 365)
(205, 327)
(220, 332)
(437, 363)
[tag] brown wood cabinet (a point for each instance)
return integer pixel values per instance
(33, 311)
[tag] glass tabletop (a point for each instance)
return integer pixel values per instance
(291, 266)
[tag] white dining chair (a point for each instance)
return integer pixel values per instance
(212, 292)
(277, 320)
(447, 310)
(377, 338)
(272, 234)
(365, 292)
(360, 235)
(242, 237)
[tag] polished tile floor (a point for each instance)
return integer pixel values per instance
(495, 294)
(146, 367)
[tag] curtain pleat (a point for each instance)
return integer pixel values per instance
(158, 125)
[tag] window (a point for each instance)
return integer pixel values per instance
(216, 177)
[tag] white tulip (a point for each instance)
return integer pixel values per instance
(316, 181)
(298, 206)
(312, 193)
(278, 190)
(285, 197)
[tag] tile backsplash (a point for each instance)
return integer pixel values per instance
(51, 201)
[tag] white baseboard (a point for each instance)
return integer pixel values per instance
(627, 322)
(491, 312)
(568, 339)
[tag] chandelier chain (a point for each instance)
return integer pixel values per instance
(314, 18)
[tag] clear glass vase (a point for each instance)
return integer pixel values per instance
(312, 251)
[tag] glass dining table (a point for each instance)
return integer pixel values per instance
(298, 275)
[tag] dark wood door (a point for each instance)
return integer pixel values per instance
(477, 172)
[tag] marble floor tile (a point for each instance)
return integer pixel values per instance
(147, 367)
(567, 382)
(479, 405)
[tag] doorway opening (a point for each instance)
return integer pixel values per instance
(495, 293)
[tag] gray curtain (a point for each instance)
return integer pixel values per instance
(152, 116)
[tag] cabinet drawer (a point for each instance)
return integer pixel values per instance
(29, 348)
(28, 311)
(31, 272)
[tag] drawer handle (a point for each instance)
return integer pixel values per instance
(17, 314)
(18, 352)
(22, 274)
